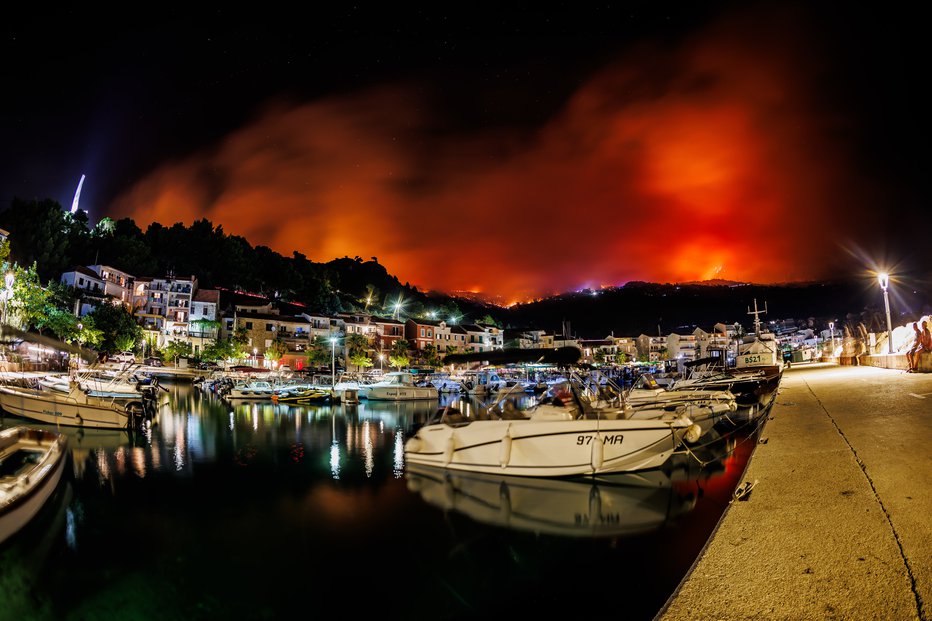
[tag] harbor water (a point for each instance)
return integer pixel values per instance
(254, 510)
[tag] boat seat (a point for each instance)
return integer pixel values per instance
(543, 414)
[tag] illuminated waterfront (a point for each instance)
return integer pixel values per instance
(257, 510)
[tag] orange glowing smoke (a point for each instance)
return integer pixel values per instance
(671, 165)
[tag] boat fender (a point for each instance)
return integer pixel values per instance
(693, 432)
(595, 505)
(448, 450)
(598, 454)
(504, 496)
(504, 455)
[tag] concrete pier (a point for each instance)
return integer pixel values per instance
(839, 522)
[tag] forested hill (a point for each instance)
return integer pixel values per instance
(57, 241)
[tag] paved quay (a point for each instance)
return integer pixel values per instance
(839, 523)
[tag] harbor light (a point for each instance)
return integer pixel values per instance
(333, 361)
(884, 279)
(831, 328)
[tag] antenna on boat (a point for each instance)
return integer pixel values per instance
(757, 314)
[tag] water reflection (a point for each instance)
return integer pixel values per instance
(216, 490)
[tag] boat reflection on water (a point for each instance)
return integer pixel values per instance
(614, 505)
(609, 505)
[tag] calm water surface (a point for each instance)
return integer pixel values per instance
(260, 511)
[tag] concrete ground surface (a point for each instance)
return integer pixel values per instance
(839, 523)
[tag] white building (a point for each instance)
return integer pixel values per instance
(117, 283)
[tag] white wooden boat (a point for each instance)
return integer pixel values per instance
(77, 408)
(552, 441)
(398, 386)
(563, 435)
(31, 465)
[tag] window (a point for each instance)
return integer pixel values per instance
(249, 325)
(270, 327)
(80, 282)
(422, 331)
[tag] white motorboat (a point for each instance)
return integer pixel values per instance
(255, 389)
(31, 465)
(552, 441)
(481, 383)
(563, 435)
(98, 386)
(398, 386)
(77, 408)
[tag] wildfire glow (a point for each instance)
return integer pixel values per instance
(711, 160)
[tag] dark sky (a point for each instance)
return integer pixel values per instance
(517, 151)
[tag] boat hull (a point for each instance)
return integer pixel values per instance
(63, 410)
(28, 492)
(547, 448)
(393, 393)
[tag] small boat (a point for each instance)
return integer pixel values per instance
(398, 386)
(31, 465)
(559, 437)
(303, 396)
(257, 389)
(79, 409)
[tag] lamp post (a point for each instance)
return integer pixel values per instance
(255, 355)
(333, 361)
(884, 280)
(381, 358)
(831, 327)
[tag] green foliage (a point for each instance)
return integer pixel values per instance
(489, 320)
(30, 305)
(318, 352)
(598, 356)
(398, 361)
(360, 360)
(125, 342)
(357, 344)
(120, 330)
(431, 355)
(276, 350)
(177, 349)
(221, 349)
(621, 357)
(400, 348)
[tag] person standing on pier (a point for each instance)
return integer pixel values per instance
(912, 356)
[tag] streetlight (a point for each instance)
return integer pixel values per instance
(333, 361)
(398, 306)
(255, 355)
(884, 279)
(831, 327)
(381, 358)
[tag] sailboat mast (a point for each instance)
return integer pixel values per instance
(757, 314)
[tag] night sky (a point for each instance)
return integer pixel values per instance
(516, 151)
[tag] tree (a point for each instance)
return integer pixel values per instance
(30, 304)
(276, 350)
(120, 330)
(318, 352)
(219, 349)
(399, 354)
(177, 349)
(598, 356)
(360, 360)
(431, 355)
